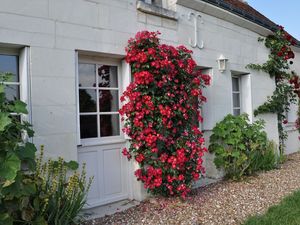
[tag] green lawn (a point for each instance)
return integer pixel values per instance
(286, 213)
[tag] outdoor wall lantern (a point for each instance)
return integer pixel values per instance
(222, 63)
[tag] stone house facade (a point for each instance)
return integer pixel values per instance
(59, 50)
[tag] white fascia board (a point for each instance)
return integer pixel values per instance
(223, 14)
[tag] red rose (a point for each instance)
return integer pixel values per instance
(140, 158)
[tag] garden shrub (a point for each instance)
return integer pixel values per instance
(29, 192)
(64, 190)
(241, 148)
(161, 105)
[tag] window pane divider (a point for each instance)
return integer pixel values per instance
(88, 113)
(108, 88)
(95, 88)
(90, 88)
(97, 99)
(108, 113)
(11, 83)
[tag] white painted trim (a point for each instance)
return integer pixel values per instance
(24, 80)
(246, 96)
(126, 72)
(77, 99)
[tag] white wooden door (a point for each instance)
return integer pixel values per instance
(109, 169)
(101, 140)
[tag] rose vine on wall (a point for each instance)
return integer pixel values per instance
(161, 113)
(287, 82)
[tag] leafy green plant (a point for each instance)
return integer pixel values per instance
(65, 192)
(17, 159)
(241, 148)
(31, 192)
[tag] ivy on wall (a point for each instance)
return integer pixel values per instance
(287, 89)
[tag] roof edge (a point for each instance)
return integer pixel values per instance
(200, 5)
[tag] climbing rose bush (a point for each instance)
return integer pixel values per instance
(161, 115)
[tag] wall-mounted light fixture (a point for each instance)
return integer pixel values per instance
(222, 63)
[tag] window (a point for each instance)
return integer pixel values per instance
(98, 100)
(236, 95)
(291, 115)
(15, 61)
(10, 64)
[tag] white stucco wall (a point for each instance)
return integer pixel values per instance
(55, 29)
(293, 142)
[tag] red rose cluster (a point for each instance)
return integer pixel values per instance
(295, 82)
(161, 113)
(285, 52)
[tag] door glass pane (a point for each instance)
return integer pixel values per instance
(235, 84)
(236, 100)
(109, 100)
(87, 75)
(109, 125)
(108, 76)
(10, 64)
(236, 112)
(88, 126)
(87, 100)
(12, 92)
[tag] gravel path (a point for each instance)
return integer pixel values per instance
(223, 203)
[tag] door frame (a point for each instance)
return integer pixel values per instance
(105, 142)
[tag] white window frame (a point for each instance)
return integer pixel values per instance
(24, 88)
(239, 92)
(99, 140)
(291, 115)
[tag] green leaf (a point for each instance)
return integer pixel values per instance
(20, 107)
(29, 189)
(40, 221)
(10, 167)
(73, 165)
(236, 154)
(27, 151)
(5, 219)
(4, 120)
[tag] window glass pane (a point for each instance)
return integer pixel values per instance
(87, 75)
(87, 100)
(236, 100)
(10, 64)
(108, 76)
(236, 112)
(109, 125)
(109, 100)
(88, 126)
(12, 92)
(235, 84)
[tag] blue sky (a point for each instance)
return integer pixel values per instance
(282, 12)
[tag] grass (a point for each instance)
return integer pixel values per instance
(286, 213)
